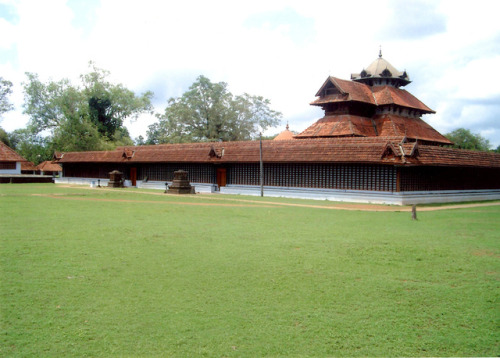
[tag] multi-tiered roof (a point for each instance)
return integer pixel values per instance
(372, 104)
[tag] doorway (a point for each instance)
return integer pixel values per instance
(221, 177)
(133, 176)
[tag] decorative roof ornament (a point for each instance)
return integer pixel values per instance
(381, 73)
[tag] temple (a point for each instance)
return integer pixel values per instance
(370, 146)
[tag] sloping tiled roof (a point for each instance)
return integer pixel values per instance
(432, 155)
(340, 125)
(8, 154)
(49, 167)
(348, 91)
(27, 165)
(376, 150)
(375, 95)
(385, 95)
(414, 128)
(285, 135)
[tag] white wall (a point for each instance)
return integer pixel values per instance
(12, 171)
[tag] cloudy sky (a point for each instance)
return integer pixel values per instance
(282, 50)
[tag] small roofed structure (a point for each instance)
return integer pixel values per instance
(49, 168)
(28, 167)
(10, 161)
(285, 135)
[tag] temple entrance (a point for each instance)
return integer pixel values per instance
(221, 177)
(133, 176)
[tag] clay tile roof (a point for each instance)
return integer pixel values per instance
(410, 149)
(390, 95)
(340, 126)
(285, 135)
(414, 128)
(27, 165)
(348, 91)
(8, 154)
(49, 167)
(312, 150)
(433, 155)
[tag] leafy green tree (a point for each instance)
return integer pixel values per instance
(168, 130)
(4, 137)
(30, 146)
(50, 105)
(139, 140)
(497, 150)
(465, 139)
(209, 112)
(86, 117)
(5, 91)
(5, 106)
(78, 134)
(109, 105)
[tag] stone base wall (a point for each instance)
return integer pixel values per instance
(363, 196)
(355, 196)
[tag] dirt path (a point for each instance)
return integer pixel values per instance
(267, 204)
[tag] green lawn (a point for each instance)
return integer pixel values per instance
(120, 273)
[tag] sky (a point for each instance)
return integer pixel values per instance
(281, 50)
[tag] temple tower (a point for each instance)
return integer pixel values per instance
(372, 104)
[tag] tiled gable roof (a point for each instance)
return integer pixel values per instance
(49, 167)
(28, 166)
(348, 91)
(375, 95)
(316, 150)
(433, 155)
(385, 95)
(8, 154)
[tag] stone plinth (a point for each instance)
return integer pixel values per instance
(180, 184)
(115, 179)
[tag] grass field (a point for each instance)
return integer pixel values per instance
(120, 273)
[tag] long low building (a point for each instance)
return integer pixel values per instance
(371, 146)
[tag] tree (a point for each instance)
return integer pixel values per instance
(110, 104)
(5, 106)
(497, 150)
(465, 139)
(30, 146)
(5, 91)
(139, 140)
(209, 112)
(86, 117)
(4, 137)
